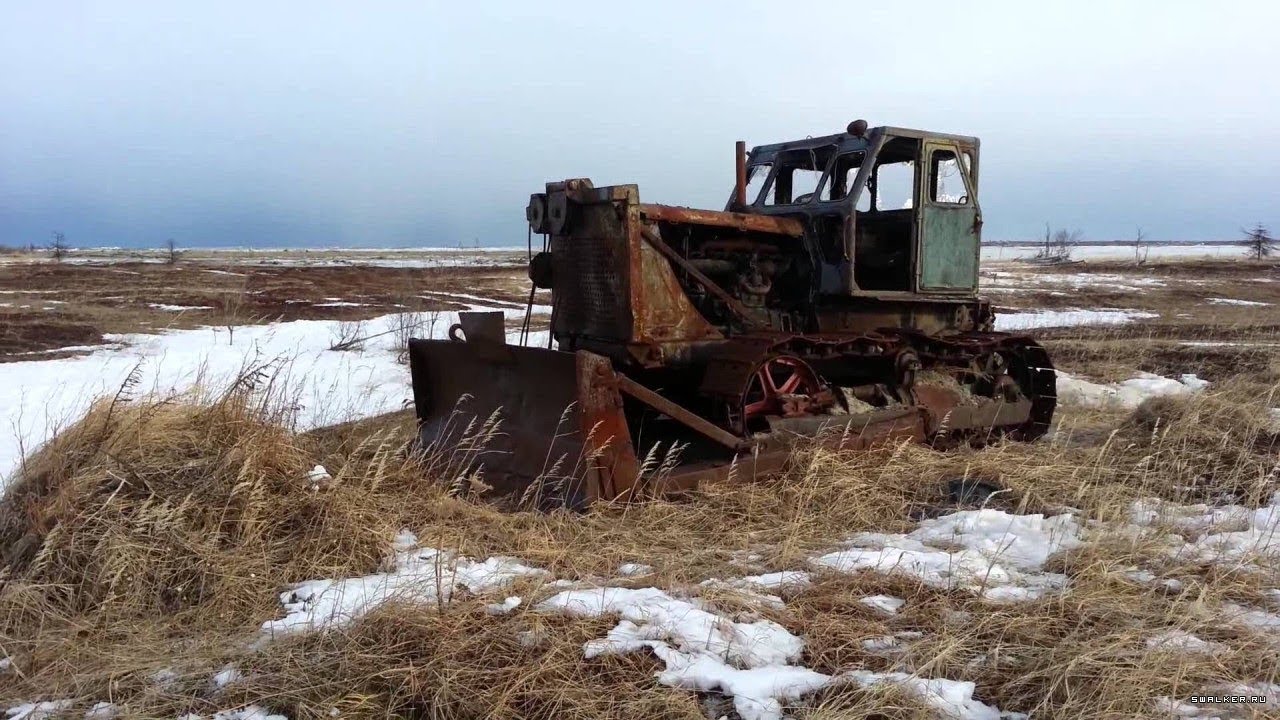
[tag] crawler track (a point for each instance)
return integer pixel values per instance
(887, 362)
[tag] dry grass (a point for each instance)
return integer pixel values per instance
(155, 535)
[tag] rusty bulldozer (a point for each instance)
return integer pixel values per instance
(834, 297)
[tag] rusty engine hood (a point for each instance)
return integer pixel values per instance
(743, 221)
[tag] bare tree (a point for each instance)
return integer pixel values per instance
(58, 248)
(1259, 242)
(348, 335)
(232, 303)
(412, 325)
(1058, 245)
(171, 252)
(1140, 248)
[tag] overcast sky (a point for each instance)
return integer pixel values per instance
(425, 123)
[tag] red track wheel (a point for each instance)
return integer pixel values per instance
(781, 386)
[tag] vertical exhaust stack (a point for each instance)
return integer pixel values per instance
(740, 165)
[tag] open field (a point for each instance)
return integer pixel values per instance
(189, 548)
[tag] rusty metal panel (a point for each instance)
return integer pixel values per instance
(560, 416)
(663, 312)
(735, 220)
(609, 459)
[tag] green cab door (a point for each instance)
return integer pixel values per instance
(950, 219)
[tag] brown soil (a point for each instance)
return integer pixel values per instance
(48, 306)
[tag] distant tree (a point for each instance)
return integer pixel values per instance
(1057, 245)
(1259, 242)
(58, 248)
(171, 251)
(1140, 248)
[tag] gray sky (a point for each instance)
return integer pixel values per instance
(425, 123)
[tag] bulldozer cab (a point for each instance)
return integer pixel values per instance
(889, 211)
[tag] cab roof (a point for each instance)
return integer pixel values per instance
(849, 143)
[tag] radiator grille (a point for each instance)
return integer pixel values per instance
(590, 271)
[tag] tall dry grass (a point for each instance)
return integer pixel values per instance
(155, 535)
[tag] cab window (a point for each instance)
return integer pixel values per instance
(756, 177)
(843, 176)
(795, 182)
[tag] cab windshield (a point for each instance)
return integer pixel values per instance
(798, 173)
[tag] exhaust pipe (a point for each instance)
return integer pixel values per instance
(740, 164)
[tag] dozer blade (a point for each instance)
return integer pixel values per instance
(527, 416)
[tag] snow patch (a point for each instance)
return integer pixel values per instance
(990, 552)
(419, 575)
(37, 710)
(1006, 322)
(1252, 618)
(702, 650)
(886, 604)
(40, 397)
(318, 477)
(949, 698)
(178, 308)
(885, 644)
(1125, 395)
(632, 569)
(102, 711)
(1226, 533)
(1234, 301)
(504, 607)
(1179, 640)
(225, 677)
(248, 712)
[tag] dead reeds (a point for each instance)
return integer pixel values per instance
(156, 534)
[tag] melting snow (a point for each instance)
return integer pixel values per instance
(505, 606)
(1184, 641)
(884, 644)
(249, 712)
(1006, 322)
(1125, 395)
(987, 551)
(318, 477)
(634, 569)
(420, 575)
(37, 710)
(455, 297)
(950, 698)
(178, 308)
(37, 398)
(1230, 532)
(101, 711)
(1253, 618)
(886, 604)
(225, 677)
(1233, 301)
(701, 649)
(750, 659)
